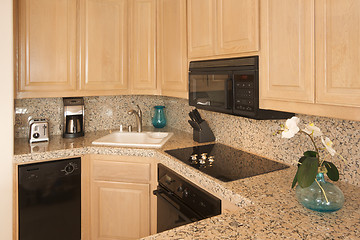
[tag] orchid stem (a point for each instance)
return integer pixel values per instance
(323, 160)
(312, 140)
(327, 201)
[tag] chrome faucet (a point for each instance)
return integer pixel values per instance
(138, 115)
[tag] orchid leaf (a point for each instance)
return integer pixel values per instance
(295, 178)
(307, 171)
(310, 154)
(332, 171)
(301, 160)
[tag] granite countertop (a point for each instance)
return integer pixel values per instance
(58, 143)
(267, 207)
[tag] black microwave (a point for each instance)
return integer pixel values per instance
(229, 86)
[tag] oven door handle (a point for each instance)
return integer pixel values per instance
(175, 203)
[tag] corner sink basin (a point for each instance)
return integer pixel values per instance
(134, 139)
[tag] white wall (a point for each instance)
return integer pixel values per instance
(6, 111)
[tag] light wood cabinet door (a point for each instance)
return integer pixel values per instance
(338, 52)
(287, 50)
(172, 48)
(143, 47)
(47, 48)
(201, 27)
(121, 204)
(119, 210)
(104, 33)
(237, 26)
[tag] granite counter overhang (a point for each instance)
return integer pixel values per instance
(267, 209)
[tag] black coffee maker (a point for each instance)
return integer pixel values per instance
(73, 117)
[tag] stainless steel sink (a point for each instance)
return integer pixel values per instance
(134, 139)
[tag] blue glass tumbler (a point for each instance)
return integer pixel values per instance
(159, 120)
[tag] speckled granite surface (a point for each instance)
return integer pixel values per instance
(101, 113)
(254, 136)
(59, 147)
(275, 214)
(270, 211)
(268, 208)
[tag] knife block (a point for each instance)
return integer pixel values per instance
(204, 134)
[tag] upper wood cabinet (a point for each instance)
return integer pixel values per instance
(287, 50)
(104, 45)
(222, 27)
(298, 37)
(143, 47)
(72, 48)
(172, 65)
(201, 27)
(338, 52)
(237, 26)
(100, 47)
(46, 48)
(81, 48)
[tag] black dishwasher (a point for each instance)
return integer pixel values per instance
(50, 200)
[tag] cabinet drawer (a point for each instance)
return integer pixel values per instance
(121, 171)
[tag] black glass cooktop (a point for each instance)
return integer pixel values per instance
(225, 163)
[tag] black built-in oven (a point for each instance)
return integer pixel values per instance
(180, 202)
(229, 86)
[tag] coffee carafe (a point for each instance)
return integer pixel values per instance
(73, 124)
(73, 117)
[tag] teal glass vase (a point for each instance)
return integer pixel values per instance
(159, 119)
(328, 199)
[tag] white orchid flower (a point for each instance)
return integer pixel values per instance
(312, 129)
(291, 127)
(328, 145)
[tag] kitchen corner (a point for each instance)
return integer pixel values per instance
(83, 73)
(267, 208)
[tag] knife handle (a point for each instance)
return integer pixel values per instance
(195, 125)
(197, 115)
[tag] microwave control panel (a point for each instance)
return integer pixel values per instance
(244, 92)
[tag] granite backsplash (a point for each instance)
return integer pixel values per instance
(255, 136)
(101, 113)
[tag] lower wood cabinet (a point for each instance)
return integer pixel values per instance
(120, 202)
(119, 210)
